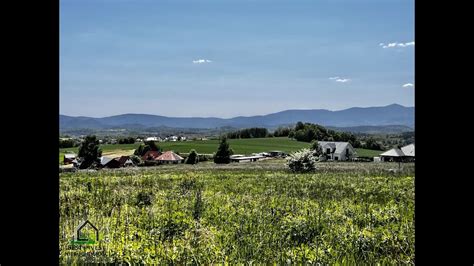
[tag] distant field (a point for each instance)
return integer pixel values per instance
(240, 146)
(244, 146)
(368, 153)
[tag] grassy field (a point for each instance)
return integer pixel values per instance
(346, 213)
(368, 153)
(240, 146)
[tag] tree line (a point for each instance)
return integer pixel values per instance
(248, 133)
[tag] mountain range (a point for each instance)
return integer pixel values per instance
(389, 115)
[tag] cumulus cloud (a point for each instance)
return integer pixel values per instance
(201, 61)
(333, 78)
(396, 44)
(407, 85)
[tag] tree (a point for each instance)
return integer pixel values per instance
(89, 151)
(317, 150)
(66, 143)
(302, 161)
(223, 152)
(148, 146)
(299, 126)
(192, 157)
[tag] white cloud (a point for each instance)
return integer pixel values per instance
(396, 44)
(342, 80)
(334, 78)
(201, 61)
(407, 85)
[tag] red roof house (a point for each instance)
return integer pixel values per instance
(151, 155)
(169, 157)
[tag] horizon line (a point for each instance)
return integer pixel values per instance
(240, 115)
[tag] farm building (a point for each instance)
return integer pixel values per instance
(391, 155)
(277, 153)
(109, 162)
(337, 151)
(125, 161)
(406, 153)
(151, 155)
(409, 150)
(246, 158)
(169, 157)
(69, 158)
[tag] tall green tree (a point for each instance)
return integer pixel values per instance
(192, 157)
(223, 152)
(148, 146)
(316, 148)
(89, 151)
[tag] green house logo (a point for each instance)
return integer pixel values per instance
(85, 233)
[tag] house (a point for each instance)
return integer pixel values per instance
(173, 138)
(152, 139)
(151, 155)
(409, 150)
(125, 161)
(337, 151)
(406, 153)
(69, 158)
(108, 162)
(169, 157)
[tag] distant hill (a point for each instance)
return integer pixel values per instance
(390, 129)
(393, 114)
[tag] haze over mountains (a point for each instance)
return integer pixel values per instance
(389, 115)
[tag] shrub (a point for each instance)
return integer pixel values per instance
(302, 161)
(223, 153)
(143, 199)
(136, 160)
(192, 157)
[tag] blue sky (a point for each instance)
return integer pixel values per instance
(226, 58)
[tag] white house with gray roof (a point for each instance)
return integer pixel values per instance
(337, 151)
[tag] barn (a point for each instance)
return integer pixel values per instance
(69, 158)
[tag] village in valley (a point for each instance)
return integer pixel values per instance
(331, 151)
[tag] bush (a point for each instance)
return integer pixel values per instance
(223, 153)
(302, 161)
(143, 199)
(136, 159)
(205, 157)
(192, 157)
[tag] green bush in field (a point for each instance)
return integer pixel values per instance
(192, 157)
(302, 161)
(223, 153)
